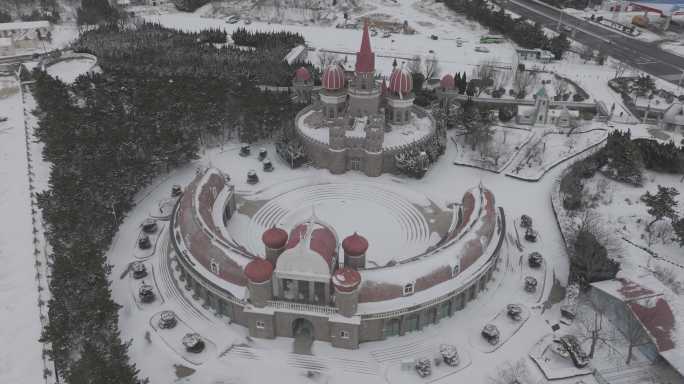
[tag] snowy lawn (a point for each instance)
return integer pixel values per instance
(552, 148)
(625, 216)
(69, 70)
(21, 356)
(505, 144)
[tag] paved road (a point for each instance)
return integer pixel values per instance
(645, 56)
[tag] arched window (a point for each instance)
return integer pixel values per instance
(408, 289)
(214, 267)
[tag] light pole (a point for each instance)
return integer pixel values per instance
(560, 19)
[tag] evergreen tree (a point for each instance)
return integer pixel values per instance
(96, 12)
(661, 205)
(559, 45)
(678, 227)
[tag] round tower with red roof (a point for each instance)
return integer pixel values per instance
(355, 247)
(303, 85)
(274, 240)
(400, 96)
(346, 282)
(258, 273)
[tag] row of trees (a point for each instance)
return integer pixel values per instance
(96, 170)
(525, 34)
(266, 39)
(93, 12)
(163, 94)
(149, 50)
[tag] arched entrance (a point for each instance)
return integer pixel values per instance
(302, 327)
(303, 333)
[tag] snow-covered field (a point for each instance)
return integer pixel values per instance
(69, 70)
(505, 144)
(427, 17)
(21, 356)
(551, 148)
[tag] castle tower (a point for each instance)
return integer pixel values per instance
(400, 96)
(375, 137)
(337, 152)
(258, 273)
(274, 240)
(541, 106)
(346, 282)
(364, 93)
(355, 247)
(302, 84)
(333, 95)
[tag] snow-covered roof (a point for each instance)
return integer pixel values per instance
(657, 308)
(24, 25)
(294, 53)
(674, 114)
(630, 288)
(5, 42)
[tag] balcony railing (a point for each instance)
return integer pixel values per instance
(301, 307)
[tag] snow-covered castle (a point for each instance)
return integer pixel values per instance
(357, 122)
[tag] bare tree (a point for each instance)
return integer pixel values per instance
(561, 87)
(522, 82)
(326, 58)
(501, 78)
(415, 65)
(511, 373)
(432, 67)
(590, 323)
(620, 68)
(635, 334)
(485, 73)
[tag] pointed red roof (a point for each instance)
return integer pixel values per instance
(365, 58)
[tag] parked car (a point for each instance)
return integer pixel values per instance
(481, 49)
(386, 35)
(3, 119)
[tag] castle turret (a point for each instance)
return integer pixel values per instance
(302, 84)
(355, 247)
(364, 93)
(258, 273)
(333, 95)
(400, 96)
(274, 240)
(346, 282)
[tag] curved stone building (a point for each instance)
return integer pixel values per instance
(311, 282)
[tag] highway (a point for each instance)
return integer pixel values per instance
(644, 56)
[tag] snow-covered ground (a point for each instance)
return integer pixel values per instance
(427, 17)
(21, 356)
(69, 70)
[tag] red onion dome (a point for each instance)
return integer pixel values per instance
(355, 245)
(333, 77)
(447, 82)
(302, 74)
(346, 279)
(274, 238)
(259, 270)
(401, 81)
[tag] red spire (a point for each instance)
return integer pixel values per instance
(365, 58)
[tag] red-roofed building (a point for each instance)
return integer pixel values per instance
(641, 309)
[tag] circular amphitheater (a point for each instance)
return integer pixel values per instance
(317, 256)
(399, 223)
